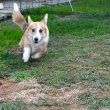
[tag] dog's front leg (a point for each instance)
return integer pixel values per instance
(26, 53)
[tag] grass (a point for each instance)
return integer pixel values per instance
(79, 6)
(93, 102)
(79, 50)
(18, 105)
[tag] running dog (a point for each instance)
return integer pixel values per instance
(35, 39)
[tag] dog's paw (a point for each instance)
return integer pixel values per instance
(25, 59)
(26, 54)
(36, 56)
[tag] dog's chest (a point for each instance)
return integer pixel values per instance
(35, 48)
(40, 46)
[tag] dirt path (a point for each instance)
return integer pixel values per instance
(44, 96)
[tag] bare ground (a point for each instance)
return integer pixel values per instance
(40, 95)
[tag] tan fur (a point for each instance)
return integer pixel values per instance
(37, 49)
(19, 20)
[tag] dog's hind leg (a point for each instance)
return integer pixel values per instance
(26, 53)
(36, 55)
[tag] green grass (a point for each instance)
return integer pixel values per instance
(18, 105)
(93, 102)
(79, 50)
(42, 103)
(79, 6)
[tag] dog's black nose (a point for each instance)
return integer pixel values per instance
(36, 40)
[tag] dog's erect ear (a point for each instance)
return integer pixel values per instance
(18, 18)
(29, 20)
(45, 19)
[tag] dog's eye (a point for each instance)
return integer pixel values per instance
(40, 30)
(33, 30)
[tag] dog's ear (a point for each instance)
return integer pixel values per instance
(29, 20)
(18, 18)
(45, 19)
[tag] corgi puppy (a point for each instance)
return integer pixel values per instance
(34, 42)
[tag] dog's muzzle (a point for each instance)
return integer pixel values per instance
(36, 40)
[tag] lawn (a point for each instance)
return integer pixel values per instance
(78, 55)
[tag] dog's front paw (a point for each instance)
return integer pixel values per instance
(25, 59)
(26, 54)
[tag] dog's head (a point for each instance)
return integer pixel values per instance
(35, 31)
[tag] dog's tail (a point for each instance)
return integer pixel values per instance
(18, 18)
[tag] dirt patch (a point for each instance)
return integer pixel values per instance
(16, 50)
(7, 87)
(40, 95)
